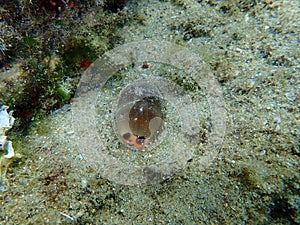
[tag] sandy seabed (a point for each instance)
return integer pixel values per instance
(253, 50)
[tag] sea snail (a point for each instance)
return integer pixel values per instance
(139, 116)
(145, 121)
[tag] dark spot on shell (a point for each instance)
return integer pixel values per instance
(140, 140)
(127, 136)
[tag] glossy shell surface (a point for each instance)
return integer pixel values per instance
(139, 118)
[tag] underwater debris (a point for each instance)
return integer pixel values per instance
(6, 122)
